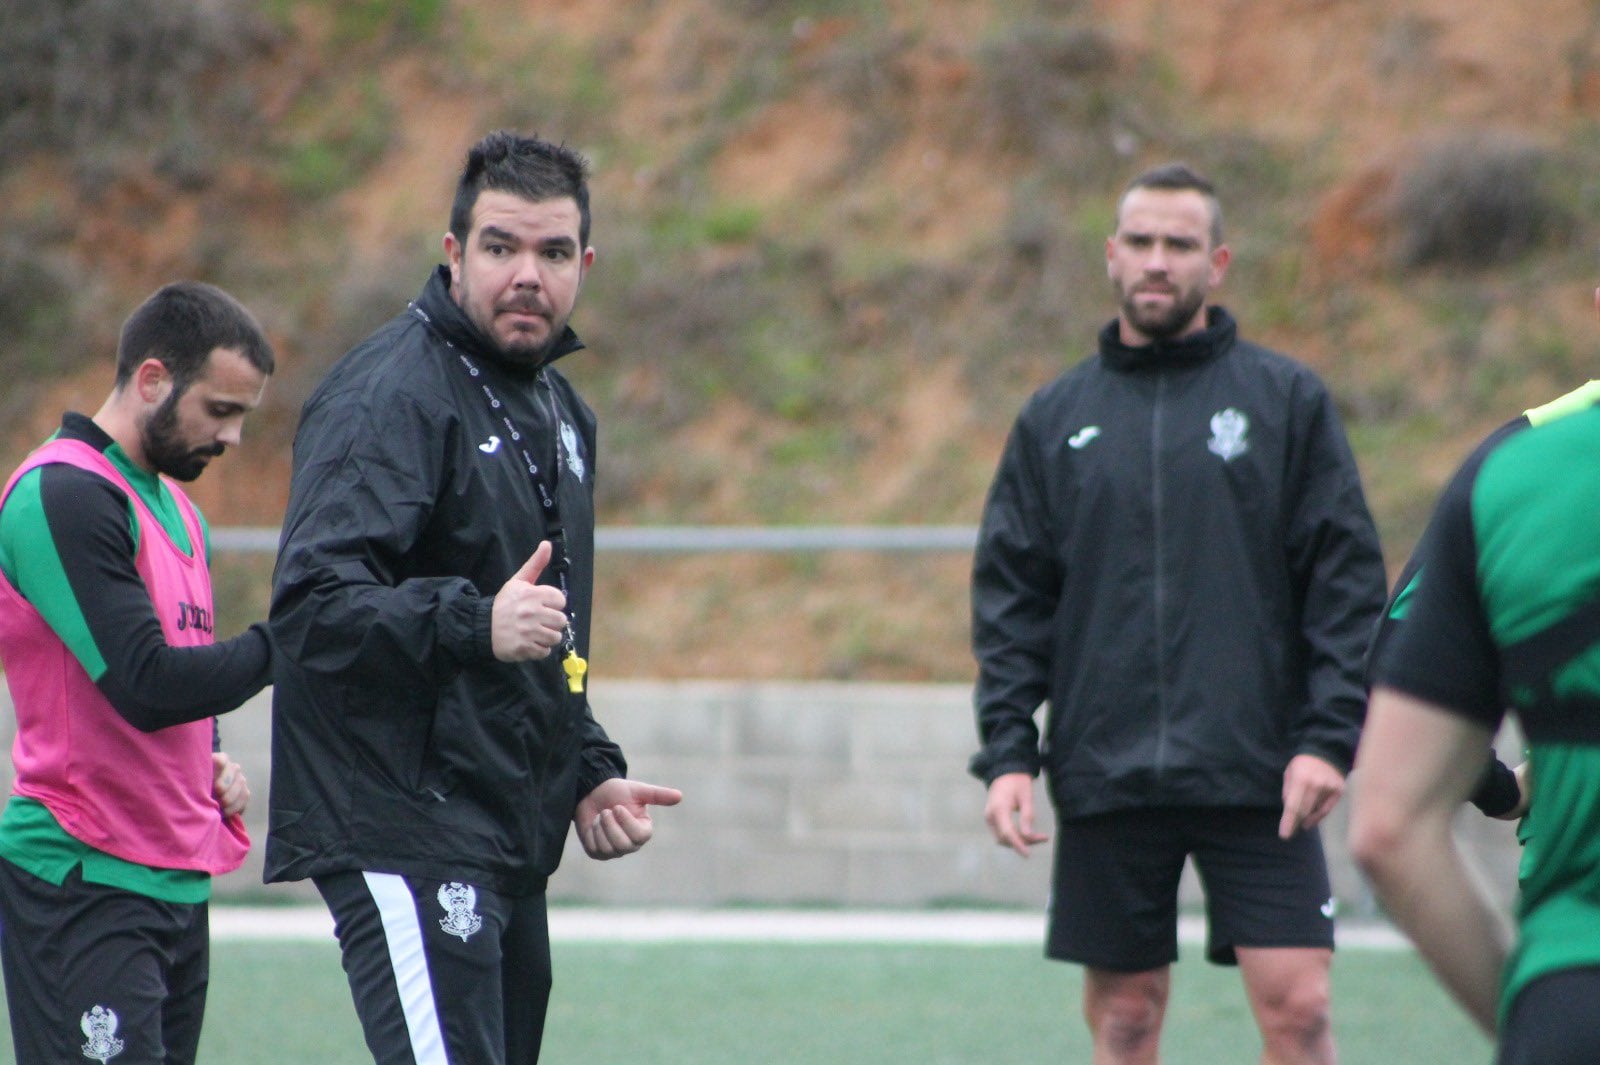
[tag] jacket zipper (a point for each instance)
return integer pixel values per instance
(560, 721)
(542, 382)
(1158, 576)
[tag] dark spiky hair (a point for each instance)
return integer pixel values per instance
(530, 167)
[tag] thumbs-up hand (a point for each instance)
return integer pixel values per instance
(529, 618)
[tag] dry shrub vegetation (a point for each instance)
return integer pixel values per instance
(839, 245)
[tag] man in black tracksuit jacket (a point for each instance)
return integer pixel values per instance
(1176, 556)
(432, 738)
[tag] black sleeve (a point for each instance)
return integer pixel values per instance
(1444, 653)
(1410, 579)
(1394, 612)
(368, 472)
(602, 757)
(1016, 581)
(151, 684)
(1332, 550)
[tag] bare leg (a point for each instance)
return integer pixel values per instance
(1288, 988)
(1124, 1011)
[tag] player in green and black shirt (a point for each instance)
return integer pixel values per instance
(1500, 793)
(1508, 616)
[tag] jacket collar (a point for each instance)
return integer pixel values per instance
(446, 318)
(1192, 350)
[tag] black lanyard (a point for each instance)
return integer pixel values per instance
(572, 663)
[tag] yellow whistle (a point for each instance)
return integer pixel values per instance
(576, 667)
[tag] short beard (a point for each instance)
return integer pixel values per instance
(1164, 325)
(522, 355)
(533, 357)
(163, 448)
(529, 355)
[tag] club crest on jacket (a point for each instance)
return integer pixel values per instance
(569, 441)
(1228, 429)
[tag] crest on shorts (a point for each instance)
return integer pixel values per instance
(460, 914)
(569, 441)
(1228, 429)
(100, 1026)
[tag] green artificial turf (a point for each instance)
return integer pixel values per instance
(820, 1004)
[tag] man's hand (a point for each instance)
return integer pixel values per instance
(529, 618)
(228, 785)
(614, 818)
(1009, 811)
(1311, 789)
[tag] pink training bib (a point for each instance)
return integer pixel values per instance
(145, 797)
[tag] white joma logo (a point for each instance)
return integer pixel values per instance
(1080, 438)
(490, 446)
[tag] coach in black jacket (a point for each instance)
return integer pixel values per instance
(1177, 557)
(432, 738)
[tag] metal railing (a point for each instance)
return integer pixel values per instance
(689, 539)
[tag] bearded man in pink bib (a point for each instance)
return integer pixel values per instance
(123, 806)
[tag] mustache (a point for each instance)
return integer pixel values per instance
(526, 305)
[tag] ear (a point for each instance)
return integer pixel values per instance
(1111, 248)
(152, 381)
(1220, 258)
(452, 255)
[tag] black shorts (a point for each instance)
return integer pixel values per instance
(96, 973)
(1553, 1021)
(1114, 900)
(442, 971)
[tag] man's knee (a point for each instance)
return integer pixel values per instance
(1295, 1016)
(1125, 1010)
(1302, 1010)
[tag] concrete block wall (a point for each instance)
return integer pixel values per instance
(806, 793)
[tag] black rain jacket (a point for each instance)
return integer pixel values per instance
(1177, 557)
(399, 742)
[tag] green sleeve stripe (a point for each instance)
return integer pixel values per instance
(1402, 601)
(33, 566)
